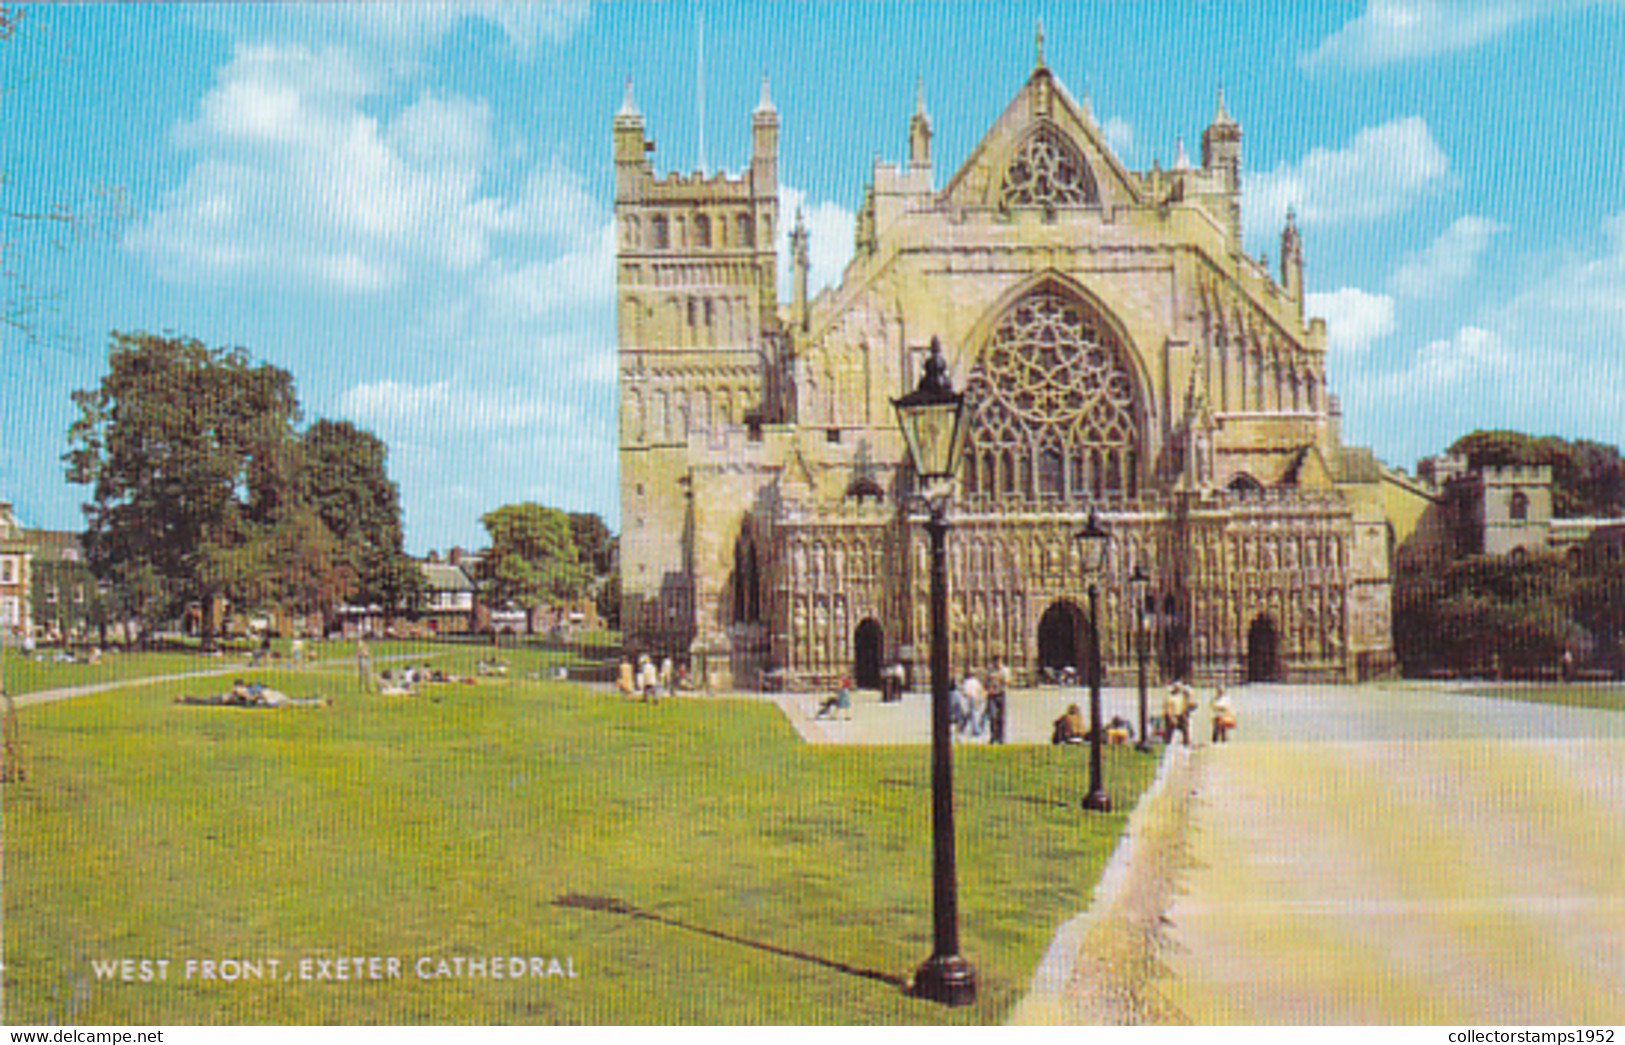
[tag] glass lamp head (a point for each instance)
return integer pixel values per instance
(932, 418)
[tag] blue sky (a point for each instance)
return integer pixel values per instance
(408, 205)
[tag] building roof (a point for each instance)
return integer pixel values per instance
(442, 576)
(55, 545)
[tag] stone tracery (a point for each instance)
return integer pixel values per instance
(1055, 410)
(1047, 171)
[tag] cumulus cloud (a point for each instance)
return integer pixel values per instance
(1119, 135)
(1383, 171)
(1354, 318)
(1448, 261)
(830, 228)
(1389, 31)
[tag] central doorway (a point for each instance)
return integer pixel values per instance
(867, 644)
(1063, 639)
(1263, 650)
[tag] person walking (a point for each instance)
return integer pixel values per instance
(625, 680)
(998, 688)
(668, 677)
(363, 663)
(1224, 716)
(974, 696)
(649, 681)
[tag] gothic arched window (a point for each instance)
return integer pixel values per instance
(1520, 506)
(1053, 398)
(1047, 171)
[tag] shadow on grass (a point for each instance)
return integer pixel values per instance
(615, 905)
(1031, 800)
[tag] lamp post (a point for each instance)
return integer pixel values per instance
(1094, 537)
(933, 423)
(1138, 582)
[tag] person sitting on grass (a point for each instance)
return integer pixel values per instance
(1118, 731)
(1069, 728)
(243, 695)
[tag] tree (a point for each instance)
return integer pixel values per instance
(185, 449)
(594, 543)
(342, 479)
(533, 558)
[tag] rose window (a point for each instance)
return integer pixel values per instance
(1047, 172)
(1054, 411)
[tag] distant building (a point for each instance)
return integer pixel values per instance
(449, 605)
(16, 576)
(1504, 509)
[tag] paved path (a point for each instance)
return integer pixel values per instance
(1029, 717)
(1407, 855)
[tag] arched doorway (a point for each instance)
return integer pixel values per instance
(1063, 638)
(1263, 650)
(867, 644)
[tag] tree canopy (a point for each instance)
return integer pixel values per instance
(202, 488)
(533, 558)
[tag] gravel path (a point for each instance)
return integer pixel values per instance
(1410, 855)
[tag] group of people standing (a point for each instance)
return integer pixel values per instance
(979, 702)
(647, 680)
(1179, 705)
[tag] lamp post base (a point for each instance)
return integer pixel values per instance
(948, 979)
(1098, 801)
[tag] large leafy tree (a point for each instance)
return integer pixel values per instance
(202, 489)
(342, 480)
(595, 545)
(533, 558)
(185, 448)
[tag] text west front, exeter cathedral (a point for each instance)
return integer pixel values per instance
(1119, 351)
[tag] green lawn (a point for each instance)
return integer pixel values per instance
(1607, 695)
(713, 868)
(30, 674)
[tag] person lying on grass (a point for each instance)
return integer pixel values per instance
(255, 695)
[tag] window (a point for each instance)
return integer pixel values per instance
(1047, 171)
(1520, 507)
(832, 435)
(747, 232)
(8, 570)
(702, 231)
(1052, 399)
(659, 233)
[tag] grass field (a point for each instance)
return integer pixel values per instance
(695, 861)
(1607, 695)
(30, 674)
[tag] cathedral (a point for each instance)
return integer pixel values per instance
(1119, 352)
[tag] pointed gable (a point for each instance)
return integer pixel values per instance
(1044, 150)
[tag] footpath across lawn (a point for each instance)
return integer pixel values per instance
(692, 862)
(1606, 695)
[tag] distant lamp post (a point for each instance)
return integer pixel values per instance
(932, 418)
(1094, 538)
(1138, 583)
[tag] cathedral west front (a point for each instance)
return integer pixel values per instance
(1119, 352)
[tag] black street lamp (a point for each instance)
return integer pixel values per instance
(1138, 582)
(933, 421)
(1094, 537)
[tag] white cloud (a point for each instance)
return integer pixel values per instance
(1382, 172)
(583, 278)
(297, 178)
(1448, 261)
(830, 228)
(1354, 318)
(1119, 135)
(1390, 31)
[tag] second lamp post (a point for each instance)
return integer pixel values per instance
(1094, 537)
